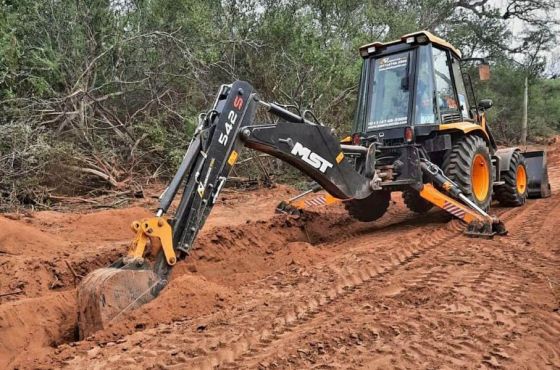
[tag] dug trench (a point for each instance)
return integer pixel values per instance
(44, 255)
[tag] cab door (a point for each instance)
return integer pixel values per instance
(446, 97)
(462, 96)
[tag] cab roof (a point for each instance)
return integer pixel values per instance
(430, 36)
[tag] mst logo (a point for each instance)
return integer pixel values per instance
(311, 158)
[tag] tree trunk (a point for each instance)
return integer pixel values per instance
(525, 103)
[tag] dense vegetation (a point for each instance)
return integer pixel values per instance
(99, 94)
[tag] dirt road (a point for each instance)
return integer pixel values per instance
(265, 291)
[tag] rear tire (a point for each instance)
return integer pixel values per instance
(514, 192)
(468, 164)
(370, 208)
(415, 202)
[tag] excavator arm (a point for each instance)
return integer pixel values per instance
(222, 133)
(217, 143)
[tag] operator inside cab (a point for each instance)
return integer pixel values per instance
(420, 86)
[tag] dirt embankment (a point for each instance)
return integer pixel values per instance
(268, 291)
(43, 255)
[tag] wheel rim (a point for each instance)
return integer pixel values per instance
(480, 177)
(521, 179)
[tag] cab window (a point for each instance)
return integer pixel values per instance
(390, 93)
(445, 94)
(424, 108)
(461, 91)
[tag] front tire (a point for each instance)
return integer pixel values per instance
(468, 164)
(513, 192)
(370, 208)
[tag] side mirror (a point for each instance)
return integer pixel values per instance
(485, 104)
(484, 71)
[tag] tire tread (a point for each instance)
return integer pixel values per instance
(457, 164)
(507, 193)
(370, 208)
(415, 202)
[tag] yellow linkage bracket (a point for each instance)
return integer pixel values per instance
(152, 228)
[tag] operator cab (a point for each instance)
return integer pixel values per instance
(408, 88)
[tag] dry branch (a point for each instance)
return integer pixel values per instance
(97, 173)
(11, 293)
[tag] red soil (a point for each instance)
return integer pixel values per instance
(267, 291)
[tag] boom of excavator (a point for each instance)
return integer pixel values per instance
(395, 151)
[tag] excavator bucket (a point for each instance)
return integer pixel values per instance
(537, 174)
(107, 293)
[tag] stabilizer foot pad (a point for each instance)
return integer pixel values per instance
(107, 293)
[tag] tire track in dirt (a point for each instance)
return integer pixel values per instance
(494, 298)
(266, 322)
(517, 290)
(286, 318)
(433, 278)
(218, 251)
(334, 285)
(317, 313)
(493, 293)
(502, 293)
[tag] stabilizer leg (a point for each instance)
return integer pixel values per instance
(295, 205)
(479, 223)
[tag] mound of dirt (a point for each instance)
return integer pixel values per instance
(43, 255)
(96, 227)
(185, 297)
(21, 238)
(31, 327)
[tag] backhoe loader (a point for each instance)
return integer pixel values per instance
(418, 130)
